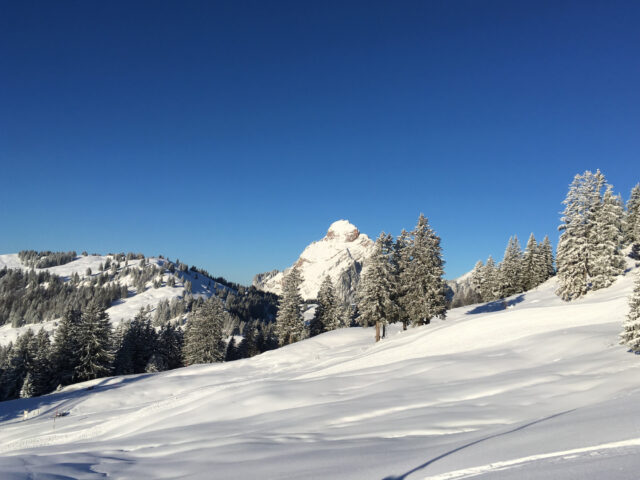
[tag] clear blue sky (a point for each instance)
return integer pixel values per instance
(231, 134)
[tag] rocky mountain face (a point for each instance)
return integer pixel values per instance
(340, 254)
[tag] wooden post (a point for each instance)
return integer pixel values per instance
(377, 331)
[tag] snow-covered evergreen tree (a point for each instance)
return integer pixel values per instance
(203, 338)
(630, 335)
(327, 314)
(65, 349)
(477, 278)
(400, 259)
(607, 261)
(375, 289)
(531, 265)
(42, 368)
(632, 217)
(547, 259)
(289, 321)
(94, 344)
(170, 341)
(27, 390)
(491, 286)
(575, 248)
(511, 269)
(422, 279)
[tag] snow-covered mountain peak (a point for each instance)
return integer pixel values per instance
(340, 254)
(343, 231)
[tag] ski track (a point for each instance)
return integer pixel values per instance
(517, 462)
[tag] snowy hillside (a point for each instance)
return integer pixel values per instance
(539, 390)
(340, 254)
(124, 308)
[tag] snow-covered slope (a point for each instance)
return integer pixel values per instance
(340, 254)
(539, 390)
(123, 309)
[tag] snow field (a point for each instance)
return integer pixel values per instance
(539, 390)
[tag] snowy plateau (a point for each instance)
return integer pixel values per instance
(340, 254)
(539, 389)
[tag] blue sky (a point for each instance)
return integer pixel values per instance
(232, 134)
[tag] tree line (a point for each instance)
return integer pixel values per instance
(85, 347)
(518, 272)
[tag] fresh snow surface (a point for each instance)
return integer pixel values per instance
(540, 389)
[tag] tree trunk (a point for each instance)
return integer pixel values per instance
(384, 331)
(377, 331)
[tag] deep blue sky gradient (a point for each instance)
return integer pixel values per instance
(231, 134)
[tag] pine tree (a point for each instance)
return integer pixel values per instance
(27, 390)
(137, 344)
(42, 369)
(607, 261)
(400, 260)
(66, 349)
(19, 362)
(491, 287)
(327, 315)
(232, 351)
(94, 344)
(575, 248)
(423, 278)
(511, 269)
(477, 278)
(632, 217)
(547, 259)
(375, 289)
(630, 335)
(289, 321)
(169, 346)
(203, 338)
(531, 271)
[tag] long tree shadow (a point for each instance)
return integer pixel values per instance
(470, 444)
(496, 305)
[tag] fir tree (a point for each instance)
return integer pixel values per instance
(327, 315)
(575, 248)
(632, 217)
(203, 338)
(42, 368)
(630, 335)
(27, 390)
(375, 289)
(607, 261)
(65, 349)
(510, 271)
(232, 351)
(531, 265)
(94, 344)
(169, 346)
(19, 363)
(547, 259)
(423, 277)
(477, 278)
(400, 261)
(289, 321)
(491, 286)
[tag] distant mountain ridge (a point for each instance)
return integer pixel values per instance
(340, 254)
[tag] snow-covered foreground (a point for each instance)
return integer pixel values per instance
(540, 390)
